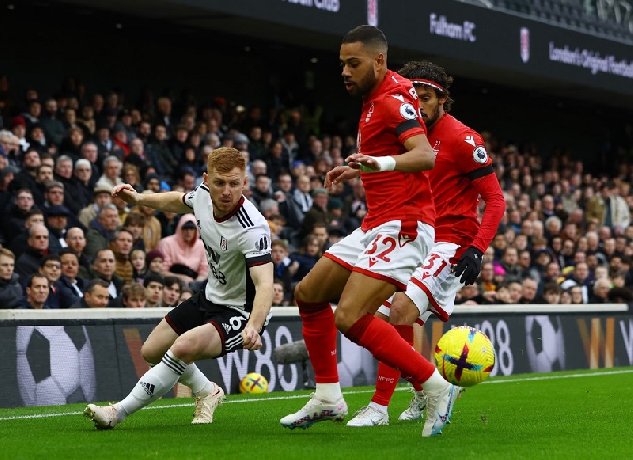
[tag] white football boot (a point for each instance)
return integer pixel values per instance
(369, 416)
(415, 411)
(314, 411)
(104, 417)
(206, 406)
(439, 408)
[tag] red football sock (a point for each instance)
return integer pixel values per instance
(319, 333)
(384, 342)
(387, 378)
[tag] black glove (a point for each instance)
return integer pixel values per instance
(469, 265)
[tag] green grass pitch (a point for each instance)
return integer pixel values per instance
(565, 415)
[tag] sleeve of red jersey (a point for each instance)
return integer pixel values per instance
(475, 163)
(402, 114)
(490, 191)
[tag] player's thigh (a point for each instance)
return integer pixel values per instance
(324, 283)
(402, 310)
(201, 342)
(158, 342)
(362, 295)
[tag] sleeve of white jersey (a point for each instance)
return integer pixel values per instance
(188, 198)
(256, 244)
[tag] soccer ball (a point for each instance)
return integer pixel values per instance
(55, 365)
(464, 356)
(254, 383)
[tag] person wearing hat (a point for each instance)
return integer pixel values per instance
(57, 223)
(18, 128)
(155, 261)
(100, 197)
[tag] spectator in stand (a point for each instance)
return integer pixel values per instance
(57, 223)
(281, 264)
(529, 290)
(153, 284)
(279, 295)
(510, 265)
(76, 241)
(577, 294)
(303, 260)
(81, 183)
(102, 229)
(10, 288)
(14, 220)
(152, 231)
(135, 223)
(171, 291)
(103, 269)
(133, 296)
(579, 277)
(132, 176)
(302, 195)
(95, 295)
(101, 196)
(609, 209)
(138, 259)
(37, 291)
(158, 154)
(601, 289)
(121, 246)
(90, 152)
(51, 269)
(184, 253)
(262, 190)
(64, 175)
(155, 262)
(70, 284)
(317, 213)
(18, 242)
(37, 247)
(111, 172)
(515, 290)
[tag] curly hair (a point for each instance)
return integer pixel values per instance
(426, 70)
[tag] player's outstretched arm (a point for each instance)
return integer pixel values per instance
(262, 276)
(419, 156)
(167, 201)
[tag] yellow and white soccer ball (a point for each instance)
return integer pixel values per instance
(254, 383)
(464, 356)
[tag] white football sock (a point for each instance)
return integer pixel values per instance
(194, 378)
(328, 392)
(152, 385)
(435, 382)
(379, 407)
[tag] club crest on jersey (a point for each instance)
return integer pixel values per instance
(408, 111)
(223, 243)
(480, 155)
(436, 147)
(404, 238)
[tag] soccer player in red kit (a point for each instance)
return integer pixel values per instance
(463, 172)
(365, 268)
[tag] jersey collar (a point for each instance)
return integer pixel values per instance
(230, 214)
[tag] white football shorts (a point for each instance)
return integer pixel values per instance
(389, 252)
(433, 286)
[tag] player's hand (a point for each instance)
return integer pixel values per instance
(339, 174)
(126, 193)
(251, 338)
(469, 265)
(362, 162)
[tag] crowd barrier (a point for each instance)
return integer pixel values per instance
(63, 356)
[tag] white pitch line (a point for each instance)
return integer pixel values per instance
(347, 392)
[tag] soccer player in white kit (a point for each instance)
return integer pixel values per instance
(228, 314)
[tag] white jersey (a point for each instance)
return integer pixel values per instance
(234, 243)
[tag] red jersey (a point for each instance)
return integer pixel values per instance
(463, 171)
(390, 116)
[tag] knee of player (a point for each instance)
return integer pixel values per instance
(150, 355)
(185, 349)
(403, 312)
(344, 318)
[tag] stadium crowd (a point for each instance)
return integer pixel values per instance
(66, 243)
